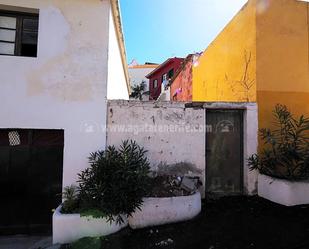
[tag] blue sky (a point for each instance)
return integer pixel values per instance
(158, 29)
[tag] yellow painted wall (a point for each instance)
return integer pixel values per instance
(282, 58)
(276, 32)
(221, 73)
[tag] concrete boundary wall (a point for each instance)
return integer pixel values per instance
(175, 132)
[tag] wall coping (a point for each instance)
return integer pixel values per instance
(184, 105)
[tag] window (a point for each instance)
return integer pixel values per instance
(155, 83)
(14, 138)
(171, 74)
(164, 77)
(18, 34)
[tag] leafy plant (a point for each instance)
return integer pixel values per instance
(138, 90)
(286, 152)
(71, 199)
(116, 180)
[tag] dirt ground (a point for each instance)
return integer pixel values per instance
(25, 242)
(227, 223)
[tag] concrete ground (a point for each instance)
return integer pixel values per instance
(25, 242)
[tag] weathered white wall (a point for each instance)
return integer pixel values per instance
(117, 85)
(137, 120)
(185, 140)
(65, 87)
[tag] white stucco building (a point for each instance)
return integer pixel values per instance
(137, 75)
(59, 63)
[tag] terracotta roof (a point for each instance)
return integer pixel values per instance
(144, 66)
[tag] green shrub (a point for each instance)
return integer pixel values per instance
(286, 148)
(116, 180)
(70, 196)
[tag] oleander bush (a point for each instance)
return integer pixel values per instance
(285, 153)
(115, 182)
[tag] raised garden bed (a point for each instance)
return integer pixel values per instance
(108, 191)
(71, 227)
(283, 163)
(172, 199)
(119, 186)
(165, 210)
(284, 192)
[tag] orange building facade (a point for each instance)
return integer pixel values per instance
(181, 86)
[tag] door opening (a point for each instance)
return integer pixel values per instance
(31, 163)
(224, 152)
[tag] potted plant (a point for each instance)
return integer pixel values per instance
(283, 163)
(109, 191)
(173, 197)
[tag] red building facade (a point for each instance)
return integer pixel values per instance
(181, 84)
(161, 75)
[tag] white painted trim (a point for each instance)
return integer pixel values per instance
(116, 13)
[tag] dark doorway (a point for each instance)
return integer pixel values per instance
(31, 163)
(224, 152)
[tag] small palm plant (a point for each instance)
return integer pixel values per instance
(70, 196)
(286, 148)
(138, 90)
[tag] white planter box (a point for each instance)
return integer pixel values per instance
(284, 192)
(160, 211)
(71, 227)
